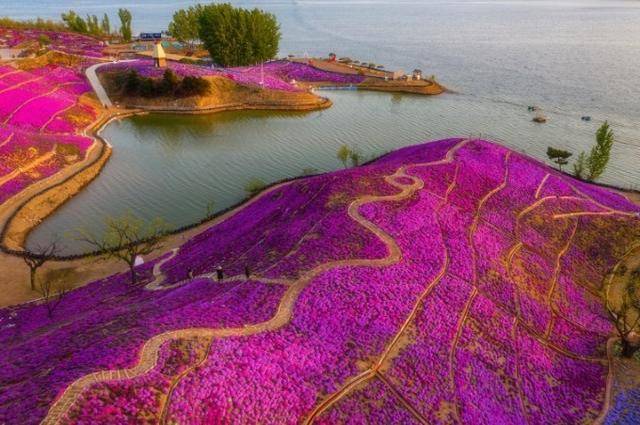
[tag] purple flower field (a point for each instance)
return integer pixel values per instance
(40, 121)
(449, 282)
(274, 75)
(72, 43)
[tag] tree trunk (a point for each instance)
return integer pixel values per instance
(132, 269)
(32, 276)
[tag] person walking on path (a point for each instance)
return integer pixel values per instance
(220, 273)
(247, 272)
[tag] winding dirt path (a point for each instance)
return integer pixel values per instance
(149, 352)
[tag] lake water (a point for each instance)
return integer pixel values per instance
(572, 58)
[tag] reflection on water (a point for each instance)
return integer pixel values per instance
(173, 166)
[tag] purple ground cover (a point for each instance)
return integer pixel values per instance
(465, 299)
(274, 75)
(40, 118)
(66, 42)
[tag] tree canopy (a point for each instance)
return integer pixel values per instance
(184, 25)
(236, 36)
(125, 24)
(599, 156)
(558, 156)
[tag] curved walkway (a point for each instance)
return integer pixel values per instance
(407, 185)
(99, 90)
(149, 351)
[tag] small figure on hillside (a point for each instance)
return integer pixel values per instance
(220, 273)
(247, 272)
(190, 274)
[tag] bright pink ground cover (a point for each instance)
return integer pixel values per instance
(492, 336)
(39, 114)
(72, 43)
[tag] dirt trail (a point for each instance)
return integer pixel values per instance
(149, 351)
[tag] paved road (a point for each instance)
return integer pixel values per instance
(92, 76)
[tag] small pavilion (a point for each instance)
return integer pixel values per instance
(159, 56)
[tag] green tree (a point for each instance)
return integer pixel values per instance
(93, 25)
(127, 237)
(236, 36)
(105, 25)
(599, 155)
(170, 82)
(343, 154)
(125, 24)
(184, 25)
(558, 156)
(355, 157)
(74, 22)
(580, 165)
(254, 186)
(43, 40)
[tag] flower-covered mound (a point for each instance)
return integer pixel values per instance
(449, 282)
(41, 117)
(274, 75)
(67, 42)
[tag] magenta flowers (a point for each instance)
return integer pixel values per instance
(452, 281)
(40, 116)
(274, 75)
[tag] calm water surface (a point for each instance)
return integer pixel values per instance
(572, 58)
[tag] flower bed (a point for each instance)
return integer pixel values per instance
(464, 312)
(40, 114)
(274, 75)
(66, 42)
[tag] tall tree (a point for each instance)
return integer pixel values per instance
(236, 36)
(127, 237)
(74, 22)
(125, 24)
(184, 25)
(93, 25)
(580, 165)
(105, 25)
(558, 156)
(599, 156)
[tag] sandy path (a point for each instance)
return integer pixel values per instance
(149, 351)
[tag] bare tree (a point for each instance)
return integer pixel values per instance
(37, 257)
(626, 315)
(127, 237)
(53, 292)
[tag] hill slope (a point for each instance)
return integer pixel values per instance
(455, 281)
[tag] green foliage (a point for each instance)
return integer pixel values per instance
(193, 86)
(580, 165)
(558, 156)
(254, 186)
(343, 154)
(170, 84)
(355, 157)
(184, 25)
(43, 40)
(125, 24)
(38, 24)
(74, 22)
(236, 36)
(599, 156)
(105, 25)
(93, 25)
